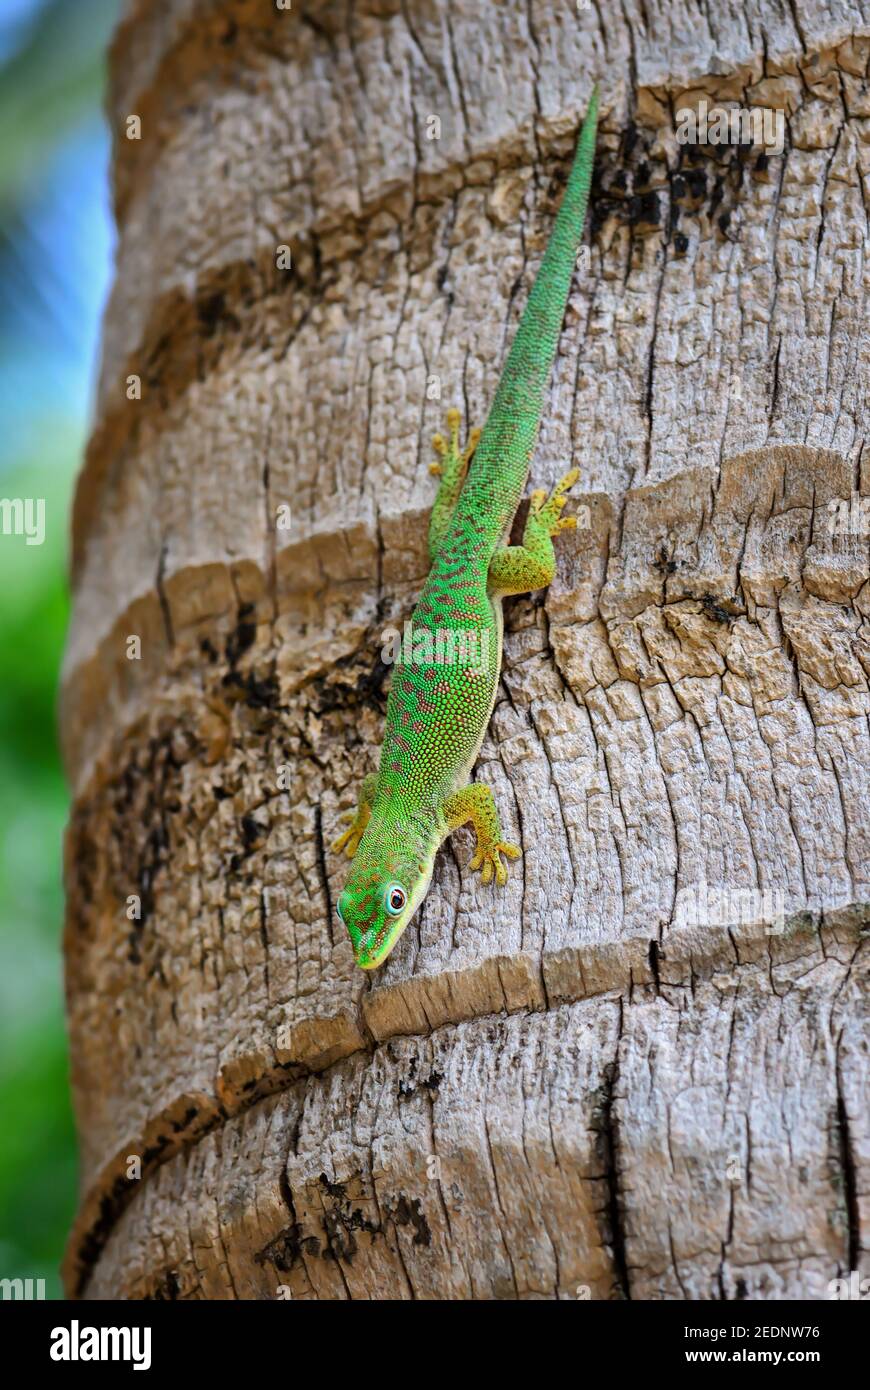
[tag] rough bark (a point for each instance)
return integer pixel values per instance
(567, 1086)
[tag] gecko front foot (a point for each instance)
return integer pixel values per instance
(350, 838)
(487, 858)
(359, 819)
(477, 804)
(549, 509)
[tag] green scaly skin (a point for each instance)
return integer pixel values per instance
(443, 689)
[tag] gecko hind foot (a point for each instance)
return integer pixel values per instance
(451, 467)
(456, 459)
(549, 509)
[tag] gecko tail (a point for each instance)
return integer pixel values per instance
(501, 463)
(530, 360)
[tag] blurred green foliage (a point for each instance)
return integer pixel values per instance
(54, 263)
(37, 1153)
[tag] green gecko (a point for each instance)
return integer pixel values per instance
(439, 707)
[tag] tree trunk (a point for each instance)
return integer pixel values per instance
(639, 1071)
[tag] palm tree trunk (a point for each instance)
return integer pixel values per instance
(640, 1070)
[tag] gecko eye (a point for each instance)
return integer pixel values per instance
(395, 899)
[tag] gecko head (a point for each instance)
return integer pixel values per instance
(384, 889)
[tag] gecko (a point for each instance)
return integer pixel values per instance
(444, 682)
